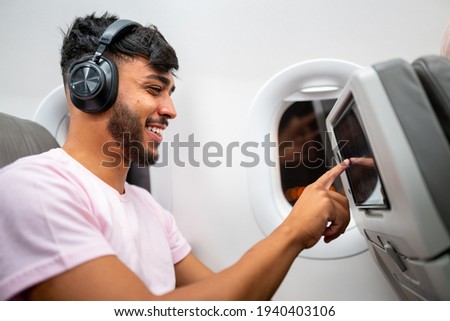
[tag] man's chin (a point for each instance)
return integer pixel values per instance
(143, 158)
(150, 159)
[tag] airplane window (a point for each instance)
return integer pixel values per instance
(303, 149)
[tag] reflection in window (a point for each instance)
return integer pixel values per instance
(304, 150)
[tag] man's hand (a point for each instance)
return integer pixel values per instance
(320, 211)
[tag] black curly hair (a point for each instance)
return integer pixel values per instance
(83, 36)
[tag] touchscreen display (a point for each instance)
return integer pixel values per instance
(365, 183)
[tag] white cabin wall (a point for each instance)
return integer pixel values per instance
(227, 50)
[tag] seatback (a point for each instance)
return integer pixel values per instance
(21, 137)
(434, 74)
(392, 122)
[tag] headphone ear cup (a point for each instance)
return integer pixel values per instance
(93, 85)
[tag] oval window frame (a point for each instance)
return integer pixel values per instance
(300, 82)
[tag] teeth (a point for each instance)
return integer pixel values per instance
(155, 130)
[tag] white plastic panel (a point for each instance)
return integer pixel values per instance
(53, 114)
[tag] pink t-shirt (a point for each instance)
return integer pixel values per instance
(55, 214)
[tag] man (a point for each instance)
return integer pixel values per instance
(73, 229)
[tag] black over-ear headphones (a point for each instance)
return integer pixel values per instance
(93, 80)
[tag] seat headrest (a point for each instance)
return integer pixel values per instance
(434, 74)
(21, 137)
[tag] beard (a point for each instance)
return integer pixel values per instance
(126, 129)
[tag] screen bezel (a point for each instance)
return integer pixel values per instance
(351, 105)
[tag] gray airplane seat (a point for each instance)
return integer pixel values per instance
(21, 137)
(391, 121)
(434, 74)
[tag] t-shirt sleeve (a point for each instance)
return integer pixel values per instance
(46, 227)
(179, 245)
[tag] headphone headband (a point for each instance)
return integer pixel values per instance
(113, 30)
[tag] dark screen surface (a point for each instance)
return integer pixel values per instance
(365, 183)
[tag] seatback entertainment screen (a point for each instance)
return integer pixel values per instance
(364, 180)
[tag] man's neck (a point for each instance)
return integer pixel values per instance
(109, 167)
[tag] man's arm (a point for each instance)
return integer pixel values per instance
(256, 276)
(190, 270)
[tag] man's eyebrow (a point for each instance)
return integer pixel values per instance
(162, 79)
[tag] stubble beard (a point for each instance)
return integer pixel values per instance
(126, 129)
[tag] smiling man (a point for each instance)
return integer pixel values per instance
(132, 130)
(72, 228)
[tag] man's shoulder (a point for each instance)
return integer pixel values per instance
(46, 159)
(52, 163)
(45, 177)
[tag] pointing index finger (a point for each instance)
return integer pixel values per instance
(327, 179)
